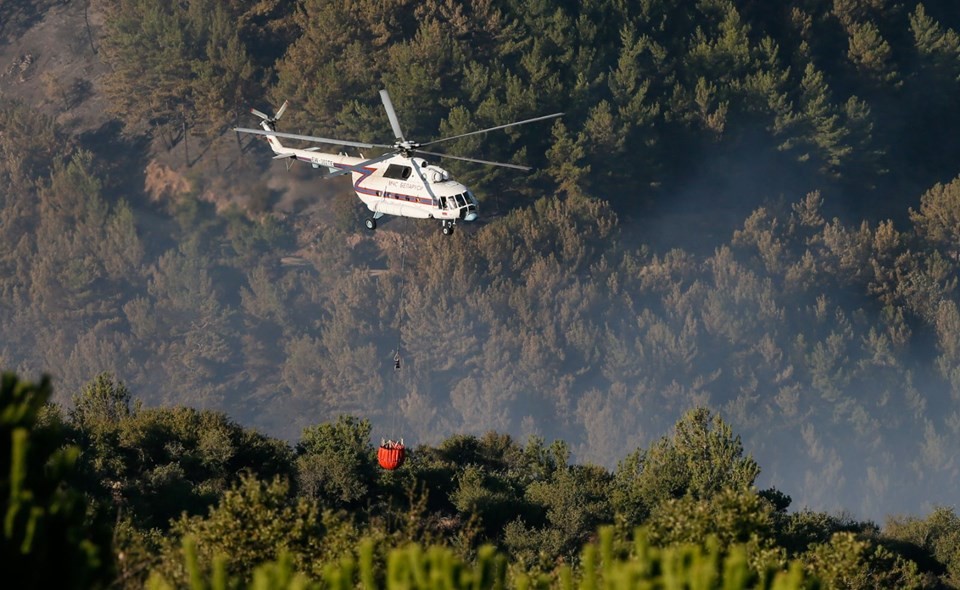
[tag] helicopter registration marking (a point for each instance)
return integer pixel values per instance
(402, 185)
(382, 193)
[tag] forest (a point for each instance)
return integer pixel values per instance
(123, 496)
(748, 208)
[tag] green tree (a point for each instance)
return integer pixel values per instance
(121, 248)
(566, 161)
(846, 562)
(224, 72)
(177, 66)
(149, 49)
(731, 516)
(255, 522)
(335, 462)
(627, 490)
(487, 495)
(799, 531)
(824, 135)
(47, 541)
(30, 142)
(938, 220)
(193, 321)
(575, 502)
(68, 265)
(727, 55)
(640, 62)
(941, 46)
(702, 458)
(153, 464)
(418, 567)
(870, 53)
(102, 403)
(938, 534)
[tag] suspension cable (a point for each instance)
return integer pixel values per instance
(396, 358)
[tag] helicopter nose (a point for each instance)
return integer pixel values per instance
(470, 216)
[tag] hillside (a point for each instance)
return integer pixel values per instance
(744, 208)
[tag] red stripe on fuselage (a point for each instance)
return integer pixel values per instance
(383, 194)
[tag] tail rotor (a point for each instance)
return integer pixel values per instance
(274, 118)
(269, 125)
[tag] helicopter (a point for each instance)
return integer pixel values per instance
(398, 182)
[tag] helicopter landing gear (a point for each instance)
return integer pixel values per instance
(371, 222)
(447, 228)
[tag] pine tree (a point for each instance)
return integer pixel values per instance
(938, 220)
(823, 135)
(871, 54)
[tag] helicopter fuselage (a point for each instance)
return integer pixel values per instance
(391, 186)
(397, 182)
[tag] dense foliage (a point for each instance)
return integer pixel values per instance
(495, 513)
(47, 539)
(748, 206)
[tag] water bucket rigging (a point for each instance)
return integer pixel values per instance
(391, 453)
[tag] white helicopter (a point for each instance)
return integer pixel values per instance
(396, 182)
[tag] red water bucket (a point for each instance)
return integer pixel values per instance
(391, 455)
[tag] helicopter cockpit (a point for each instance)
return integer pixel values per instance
(465, 203)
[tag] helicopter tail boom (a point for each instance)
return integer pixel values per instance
(273, 140)
(270, 124)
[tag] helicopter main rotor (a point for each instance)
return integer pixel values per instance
(402, 146)
(406, 148)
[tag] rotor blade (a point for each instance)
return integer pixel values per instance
(260, 114)
(426, 184)
(358, 168)
(494, 128)
(282, 108)
(487, 162)
(312, 138)
(391, 114)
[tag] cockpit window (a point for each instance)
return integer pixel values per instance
(460, 200)
(397, 172)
